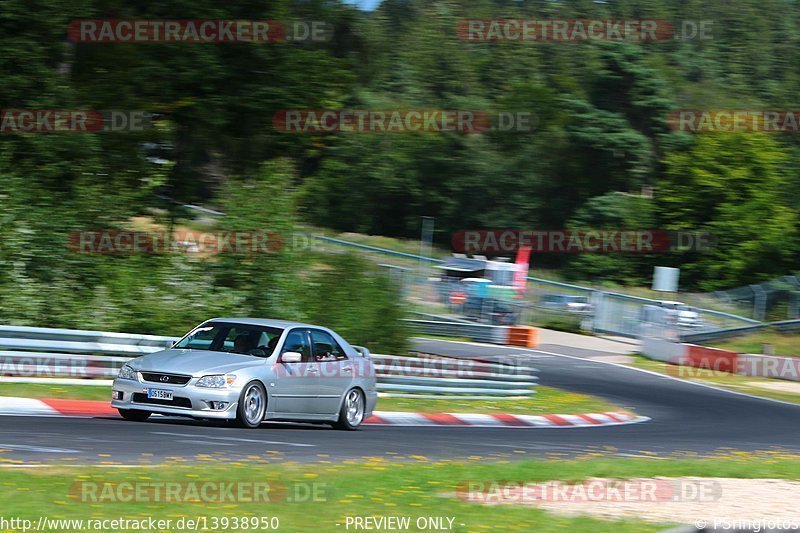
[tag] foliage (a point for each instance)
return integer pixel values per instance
(600, 129)
(347, 293)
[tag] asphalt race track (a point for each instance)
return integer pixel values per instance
(685, 418)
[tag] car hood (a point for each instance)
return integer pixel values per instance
(194, 362)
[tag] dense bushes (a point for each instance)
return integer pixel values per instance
(44, 283)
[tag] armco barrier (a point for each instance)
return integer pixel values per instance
(550, 284)
(77, 335)
(476, 332)
(430, 375)
(783, 326)
(752, 365)
(80, 341)
(689, 355)
(41, 364)
(662, 350)
(769, 366)
(710, 358)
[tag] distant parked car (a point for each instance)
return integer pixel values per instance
(682, 315)
(567, 302)
(491, 310)
(503, 315)
(249, 370)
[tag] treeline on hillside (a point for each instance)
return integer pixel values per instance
(601, 129)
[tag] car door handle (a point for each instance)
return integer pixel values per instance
(347, 369)
(313, 370)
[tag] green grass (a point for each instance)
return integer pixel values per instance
(733, 382)
(404, 486)
(547, 400)
(66, 392)
(787, 344)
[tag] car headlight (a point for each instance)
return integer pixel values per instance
(126, 372)
(216, 381)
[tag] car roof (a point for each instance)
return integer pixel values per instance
(268, 322)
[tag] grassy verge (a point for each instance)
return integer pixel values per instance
(787, 344)
(547, 400)
(413, 487)
(723, 380)
(66, 392)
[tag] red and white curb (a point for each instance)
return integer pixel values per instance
(37, 407)
(10, 406)
(503, 420)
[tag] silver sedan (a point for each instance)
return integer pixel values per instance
(249, 370)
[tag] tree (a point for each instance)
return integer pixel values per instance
(734, 186)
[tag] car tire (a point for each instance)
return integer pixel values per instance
(351, 414)
(252, 405)
(134, 415)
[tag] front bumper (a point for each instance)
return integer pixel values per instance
(194, 401)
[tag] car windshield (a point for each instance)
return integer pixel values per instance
(243, 339)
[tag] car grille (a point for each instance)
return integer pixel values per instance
(169, 379)
(139, 397)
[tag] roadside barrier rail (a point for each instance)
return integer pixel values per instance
(727, 333)
(37, 353)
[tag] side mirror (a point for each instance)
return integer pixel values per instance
(291, 357)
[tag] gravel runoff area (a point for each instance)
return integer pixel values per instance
(663, 500)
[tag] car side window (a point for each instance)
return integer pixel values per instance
(297, 341)
(325, 347)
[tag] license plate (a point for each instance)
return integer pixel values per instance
(159, 394)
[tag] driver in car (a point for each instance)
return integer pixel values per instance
(242, 344)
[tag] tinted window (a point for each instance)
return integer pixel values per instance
(297, 341)
(325, 347)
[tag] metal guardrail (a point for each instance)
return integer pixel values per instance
(78, 335)
(728, 333)
(476, 332)
(547, 282)
(59, 353)
(80, 341)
